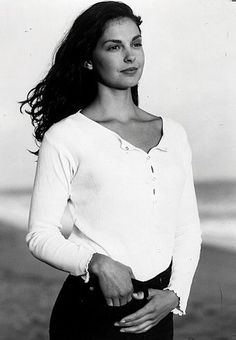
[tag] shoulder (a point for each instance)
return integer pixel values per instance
(59, 132)
(174, 128)
(64, 138)
(175, 131)
(67, 134)
(177, 138)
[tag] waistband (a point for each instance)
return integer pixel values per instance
(160, 281)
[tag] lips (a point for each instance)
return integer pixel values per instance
(129, 70)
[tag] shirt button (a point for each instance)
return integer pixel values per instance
(126, 148)
(148, 157)
(154, 179)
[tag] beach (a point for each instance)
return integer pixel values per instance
(28, 288)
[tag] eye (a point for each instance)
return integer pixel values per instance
(113, 48)
(137, 44)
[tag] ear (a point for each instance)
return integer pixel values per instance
(88, 65)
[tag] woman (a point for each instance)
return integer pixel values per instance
(126, 176)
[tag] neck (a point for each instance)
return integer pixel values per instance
(113, 104)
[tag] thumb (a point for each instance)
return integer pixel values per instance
(138, 295)
(151, 293)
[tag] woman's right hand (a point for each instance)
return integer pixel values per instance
(114, 279)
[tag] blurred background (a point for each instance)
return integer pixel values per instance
(189, 76)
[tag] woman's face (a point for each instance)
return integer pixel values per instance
(118, 58)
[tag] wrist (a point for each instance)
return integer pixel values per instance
(174, 297)
(96, 262)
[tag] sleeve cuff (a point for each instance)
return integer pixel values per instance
(86, 276)
(180, 309)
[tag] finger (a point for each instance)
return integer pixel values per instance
(109, 302)
(138, 295)
(148, 327)
(123, 301)
(144, 330)
(116, 302)
(135, 322)
(139, 328)
(137, 315)
(149, 317)
(130, 297)
(151, 293)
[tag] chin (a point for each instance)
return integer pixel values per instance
(131, 82)
(125, 86)
(122, 84)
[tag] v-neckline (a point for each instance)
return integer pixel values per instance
(123, 139)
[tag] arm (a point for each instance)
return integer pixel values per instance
(51, 192)
(187, 244)
(186, 255)
(55, 170)
(114, 279)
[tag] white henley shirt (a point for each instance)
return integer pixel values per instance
(138, 208)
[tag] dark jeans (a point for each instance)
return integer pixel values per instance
(81, 313)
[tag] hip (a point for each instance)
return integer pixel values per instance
(81, 311)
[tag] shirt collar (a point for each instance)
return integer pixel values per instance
(125, 145)
(162, 145)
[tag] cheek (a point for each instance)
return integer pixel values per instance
(141, 59)
(105, 69)
(105, 66)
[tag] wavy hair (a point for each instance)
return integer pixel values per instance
(68, 85)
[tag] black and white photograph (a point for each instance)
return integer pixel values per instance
(118, 170)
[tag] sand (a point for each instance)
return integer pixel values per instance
(28, 289)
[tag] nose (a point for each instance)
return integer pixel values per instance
(129, 57)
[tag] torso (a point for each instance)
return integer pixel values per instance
(143, 133)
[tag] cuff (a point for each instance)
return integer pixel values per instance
(180, 309)
(86, 276)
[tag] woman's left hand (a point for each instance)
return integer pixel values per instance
(161, 303)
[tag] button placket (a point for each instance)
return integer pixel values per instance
(153, 178)
(124, 146)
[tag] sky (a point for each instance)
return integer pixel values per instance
(189, 75)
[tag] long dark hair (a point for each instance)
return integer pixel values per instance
(68, 85)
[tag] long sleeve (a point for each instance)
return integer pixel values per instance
(187, 244)
(108, 184)
(51, 192)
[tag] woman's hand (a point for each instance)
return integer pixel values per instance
(161, 303)
(114, 279)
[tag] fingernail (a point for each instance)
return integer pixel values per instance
(116, 324)
(122, 330)
(123, 321)
(139, 295)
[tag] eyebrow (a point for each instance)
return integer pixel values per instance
(119, 41)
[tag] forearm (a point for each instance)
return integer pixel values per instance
(186, 256)
(52, 248)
